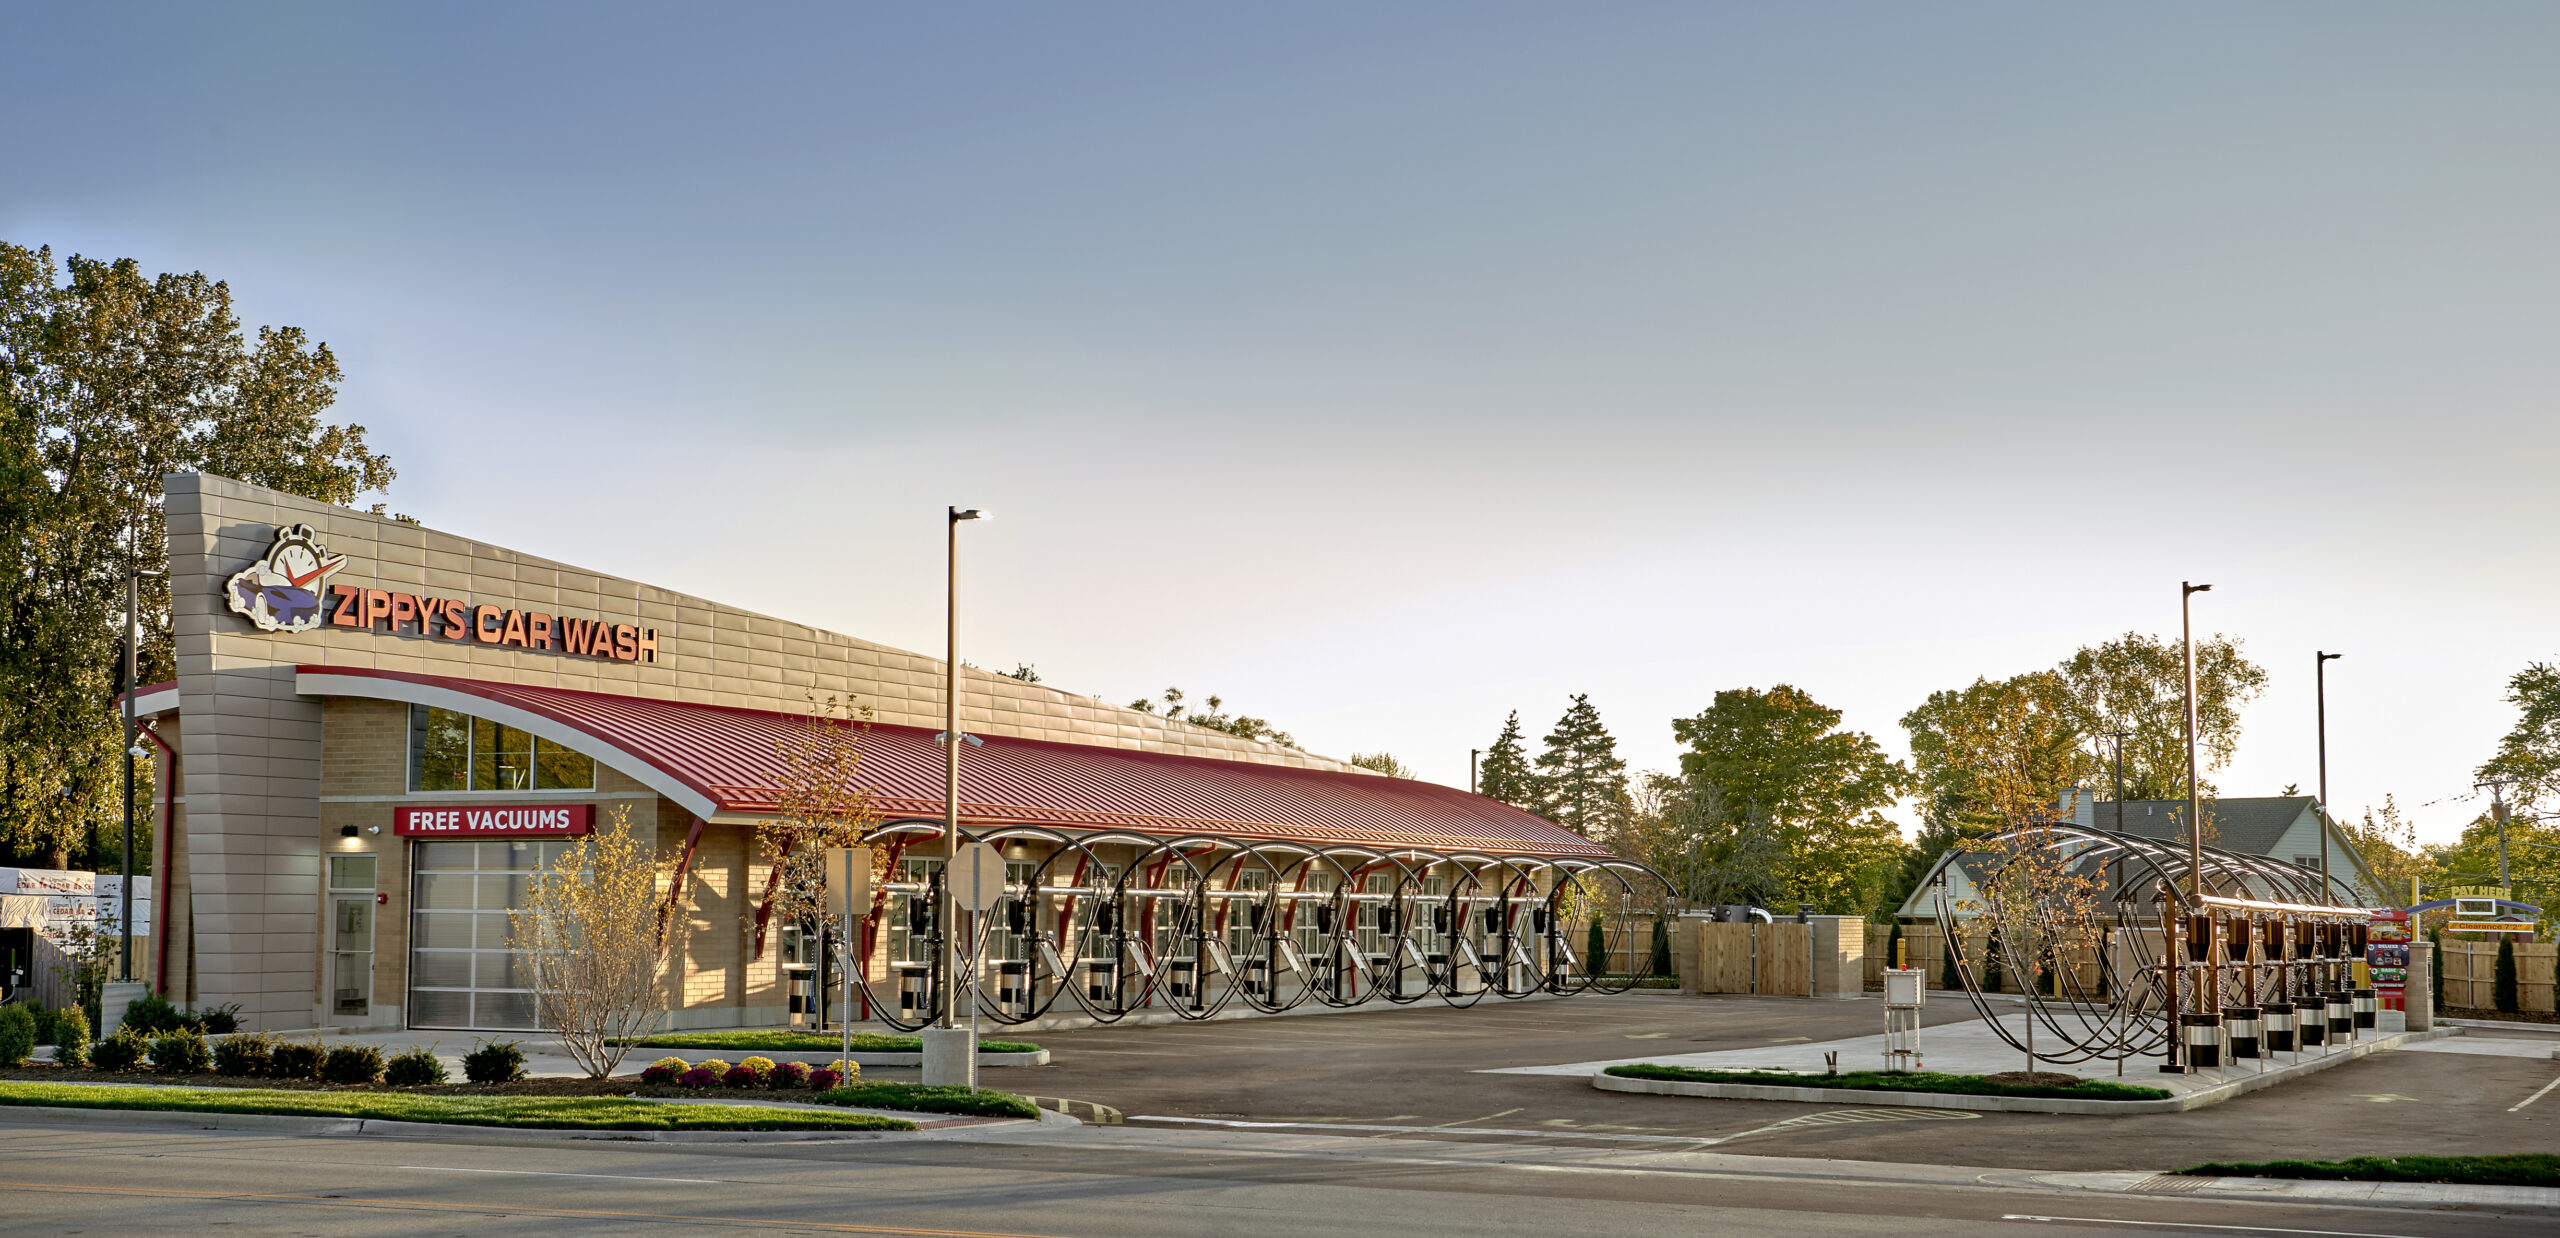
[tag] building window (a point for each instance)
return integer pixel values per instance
(451, 751)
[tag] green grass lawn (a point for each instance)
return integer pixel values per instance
(1884, 1081)
(917, 1098)
(547, 1112)
(2514, 1169)
(808, 1042)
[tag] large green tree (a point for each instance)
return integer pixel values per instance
(1504, 772)
(2529, 756)
(111, 379)
(1774, 774)
(1581, 779)
(2137, 684)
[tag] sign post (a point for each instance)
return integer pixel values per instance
(977, 880)
(848, 878)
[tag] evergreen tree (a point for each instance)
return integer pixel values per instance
(1595, 951)
(1893, 946)
(1581, 780)
(1503, 772)
(1661, 961)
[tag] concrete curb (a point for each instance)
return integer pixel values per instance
(2198, 1099)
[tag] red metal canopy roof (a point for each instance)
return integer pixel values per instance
(728, 758)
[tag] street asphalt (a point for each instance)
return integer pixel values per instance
(1419, 1068)
(1360, 1124)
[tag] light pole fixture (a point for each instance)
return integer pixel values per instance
(1472, 754)
(946, 964)
(2320, 680)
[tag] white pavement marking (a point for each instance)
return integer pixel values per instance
(2546, 1090)
(2485, 1046)
(2247, 1229)
(537, 1173)
(1417, 1130)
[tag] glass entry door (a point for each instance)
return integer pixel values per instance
(351, 902)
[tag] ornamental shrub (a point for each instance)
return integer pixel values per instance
(17, 1034)
(789, 1075)
(120, 1052)
(182, 1052)
(71, 1037)
(352, 1064)
(296, 1061)
(151, 1014)
(1595, 949)
(219, 1021)
(415, 1067)
(2502, 989)
(739, 1077)
(43, 1020)
(1893, 946)
(824, 1077)
(659, 1076)
(699, 1077)
(247, 1054)
(1659, 964)
(676, 1064)
(763, 1066)
(493, 1061)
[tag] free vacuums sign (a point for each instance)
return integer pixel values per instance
(288, 590)
(494, 821)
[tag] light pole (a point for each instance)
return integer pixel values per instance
(946, 959)
(2320, 678)
(2195, 796)
(132, 750)
(1472, 754)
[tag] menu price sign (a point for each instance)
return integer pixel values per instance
(2386, 956)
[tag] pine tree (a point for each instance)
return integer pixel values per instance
(1503, 773)
(1581, 779)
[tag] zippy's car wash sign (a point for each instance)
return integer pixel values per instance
(282, 592)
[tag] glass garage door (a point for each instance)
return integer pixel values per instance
(461, 973)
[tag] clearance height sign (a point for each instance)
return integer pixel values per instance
(495, 821)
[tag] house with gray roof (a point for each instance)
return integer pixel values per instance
(2281, 827)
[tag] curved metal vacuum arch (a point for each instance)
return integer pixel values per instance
(1114, 923)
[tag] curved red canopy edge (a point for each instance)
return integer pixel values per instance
(730, 759)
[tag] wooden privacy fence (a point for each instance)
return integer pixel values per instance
(2471, 974)
(1824, 958)
(1924, 947)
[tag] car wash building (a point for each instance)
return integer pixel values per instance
(380, 733)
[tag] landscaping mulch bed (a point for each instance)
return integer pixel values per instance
(618, 1085)
(2049, 1084)
(2501, 1016)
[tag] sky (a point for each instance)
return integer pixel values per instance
(1385, 368)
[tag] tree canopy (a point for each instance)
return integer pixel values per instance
(1215, 717)
(110, 380)
(1581, 780)
(2529, 755)
(1771, 781)
(1504, 772)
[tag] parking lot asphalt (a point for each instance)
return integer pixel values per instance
(1414, 1074)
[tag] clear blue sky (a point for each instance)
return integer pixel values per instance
(1385, 368)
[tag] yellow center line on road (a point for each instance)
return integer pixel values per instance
(758, 1222)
